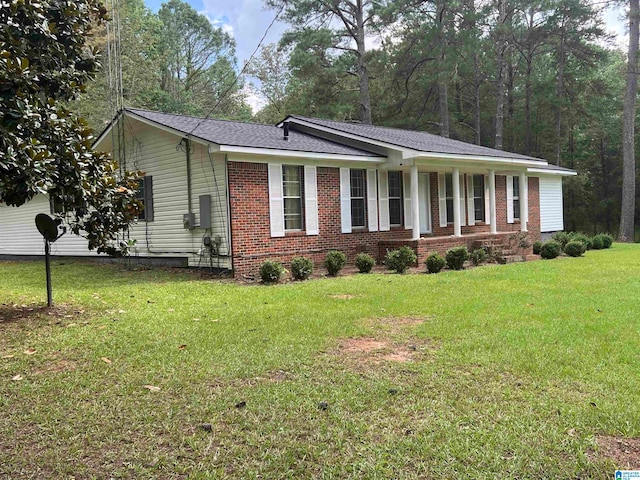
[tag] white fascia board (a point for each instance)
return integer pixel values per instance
(473, 159)
(555, 173)
(213, 148)
(404, 152)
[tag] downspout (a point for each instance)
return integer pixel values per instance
(230, 223)
(188, 146)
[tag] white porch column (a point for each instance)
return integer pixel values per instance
(524, 202)
(493, 221)
(457, 229)
(415, 204)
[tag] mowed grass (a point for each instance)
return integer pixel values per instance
(517, 370)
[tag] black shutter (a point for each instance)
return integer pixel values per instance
(148, 198)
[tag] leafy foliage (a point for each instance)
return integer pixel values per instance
(550, 249)
(478, 256)
(400, 259)
(365, 262)
(456, 256)
(536, 247)
(301, 268)
(271, 271)
(44, 147)
(574, 248)
(435, 262)
(562, 238)
(334, 261)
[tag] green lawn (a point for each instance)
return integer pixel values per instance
(513, 371)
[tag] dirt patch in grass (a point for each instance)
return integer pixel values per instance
(56, 366)
(394, 325)
(376, 350)
(623, 452)
(11, 313)
(343, 296)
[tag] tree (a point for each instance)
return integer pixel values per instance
(271, 69)
(628, 127)
(44, 147)
(354, 18)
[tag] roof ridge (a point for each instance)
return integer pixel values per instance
(202, 118)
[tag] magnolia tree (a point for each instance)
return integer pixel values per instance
(45, 148)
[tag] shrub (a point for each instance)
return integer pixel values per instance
(301, 268)
(478, 256)
(456, 257)
(607, 240)
(597, 243)
(435, 263)
(271, 272)
(536, 247)
(562, 238)
(400, 259)
(550, 249)
(574, 248)
(334, 261)
(581, 237)
(365, 262)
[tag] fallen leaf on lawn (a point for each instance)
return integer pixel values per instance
(17, 378)
(7, 356)
(106, 360)
(182, 347)
(30, 351)
(102, 327)
(196, 319)
(71, 325)
(152, 388)
(171, 310)
(122, 311)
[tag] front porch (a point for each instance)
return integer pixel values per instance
(506, 246)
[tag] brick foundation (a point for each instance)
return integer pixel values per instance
(251, 236)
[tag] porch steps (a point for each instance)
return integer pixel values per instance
(504, 259)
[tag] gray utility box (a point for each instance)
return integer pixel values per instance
(189, 221)
(205, 211)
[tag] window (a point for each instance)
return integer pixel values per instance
(395, 198)
(478, 198)
(448, 182)
(145, 196)
(292, 196)
(358, 198)
(516, 198)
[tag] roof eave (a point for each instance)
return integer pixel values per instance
(273, 152)
(558, 172)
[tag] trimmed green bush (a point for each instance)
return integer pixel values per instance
(550, 249)
(574, 248)
(607, 240)
(536, 247)
(456, 256)
(365, 262)
(400, 259)
(478, 256)
(271, 272)
(597, 243)
(334, 261)
(581, 237)
(562, 238)
(301, 268)
(435, 263)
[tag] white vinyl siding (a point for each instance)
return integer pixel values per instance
(551, 216)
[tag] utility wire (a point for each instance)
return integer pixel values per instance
(246, 64)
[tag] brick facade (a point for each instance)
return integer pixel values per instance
(250, 222)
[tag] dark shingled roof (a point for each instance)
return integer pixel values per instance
(420, 141)
(253, 135)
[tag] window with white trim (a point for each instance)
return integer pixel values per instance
(395, 198)
(358, 188)
(144, 195)
(516, 198)
(478, 198)
(292, 195)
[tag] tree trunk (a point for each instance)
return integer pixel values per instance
(443, 94)
(559, 99)
(527, 108)
(627, 215)
(363, 74)
(500, 73)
